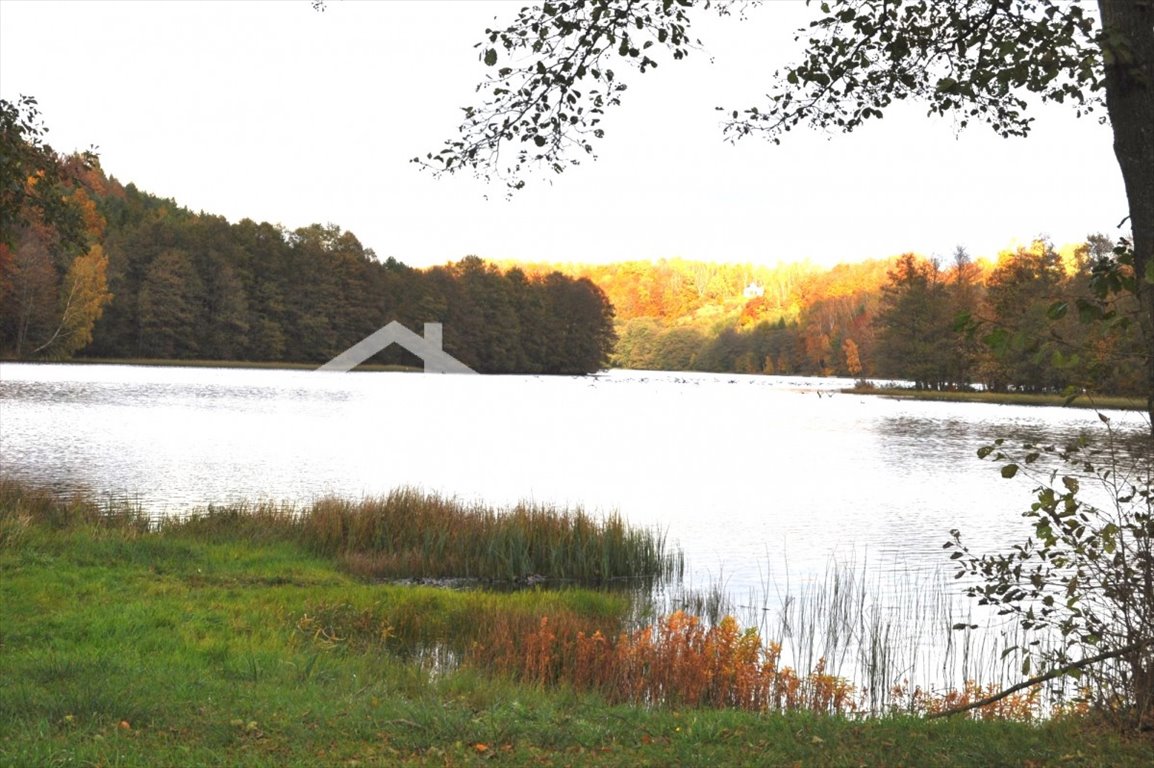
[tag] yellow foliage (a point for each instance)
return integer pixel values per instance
(83, 298)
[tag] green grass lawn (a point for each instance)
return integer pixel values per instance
(126, 647)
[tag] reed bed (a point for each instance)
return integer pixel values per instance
(411, 534)
(22, 507)
(406, 534)
(910, 640)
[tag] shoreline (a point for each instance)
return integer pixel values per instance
(1103, 402)
(178, 363)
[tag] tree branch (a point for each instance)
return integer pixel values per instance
(1043, 678)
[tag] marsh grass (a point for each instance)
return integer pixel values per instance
(907, 640)
(22, 506)
(415, 535)
(406, 534)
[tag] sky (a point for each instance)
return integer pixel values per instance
(275, 112)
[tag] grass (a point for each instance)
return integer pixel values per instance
(1100, 402)
(124, 644)
(416, 535)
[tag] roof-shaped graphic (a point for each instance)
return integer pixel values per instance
(427, 348)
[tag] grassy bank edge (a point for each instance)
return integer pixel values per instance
(1107, 403)
(141, 651)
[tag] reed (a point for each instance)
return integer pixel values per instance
(406, 534)
(412, 534)
(906, 639)
(22, 507)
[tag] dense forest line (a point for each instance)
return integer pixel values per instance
(90, 266)
(1004, 324)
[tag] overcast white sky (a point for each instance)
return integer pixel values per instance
(271, 111)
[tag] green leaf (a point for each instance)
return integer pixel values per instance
(1057, 310)
(997, 340)
(1009, 471)
(490, 57)
(947, 85)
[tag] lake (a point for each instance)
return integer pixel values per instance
(756, 478)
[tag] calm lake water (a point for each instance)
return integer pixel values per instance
(753, 477)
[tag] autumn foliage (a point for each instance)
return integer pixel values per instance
(940, 325)
(678, 661)
(53, 269)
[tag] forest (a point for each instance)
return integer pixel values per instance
(95, 268)
(1004, 324)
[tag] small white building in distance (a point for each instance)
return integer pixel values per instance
(753, 290)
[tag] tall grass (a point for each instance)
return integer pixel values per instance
(412, 534)
(405, 534)
(892, 632)
(22, 507)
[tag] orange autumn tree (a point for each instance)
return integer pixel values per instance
(53, 284)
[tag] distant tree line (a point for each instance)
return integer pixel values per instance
(189, 286)
(1009, 325)
(1021, 327)
(90, 266)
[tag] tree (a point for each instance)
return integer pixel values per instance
(52, 272)
(1084, 575)
(556, 69)
(1105, 355)
(1018, 293)
(30, 288)
(171, 305)
(34, 183)
(227, 314)
(81, 303)
(852, 358)
(915, 326)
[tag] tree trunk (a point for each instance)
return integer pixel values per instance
(1128, 49)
